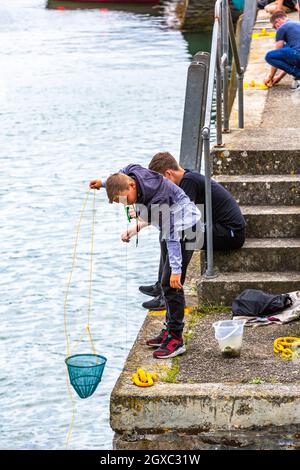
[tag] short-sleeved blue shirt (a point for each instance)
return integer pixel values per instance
(289, 32)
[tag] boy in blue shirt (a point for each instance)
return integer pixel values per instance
(286, 55)
(161, 203)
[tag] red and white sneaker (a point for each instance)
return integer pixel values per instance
(171, 346)
(157, 341)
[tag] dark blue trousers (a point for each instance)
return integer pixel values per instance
(174, 298)
(286, 59)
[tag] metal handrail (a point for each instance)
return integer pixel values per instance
(223, 31)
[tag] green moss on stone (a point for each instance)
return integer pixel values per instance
(171, 374)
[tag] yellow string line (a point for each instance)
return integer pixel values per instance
(72, 349)
(91, 340)
(74, 257)
(91, 275)
(126, 290)
(71, 271)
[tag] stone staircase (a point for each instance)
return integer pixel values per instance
(267, 186)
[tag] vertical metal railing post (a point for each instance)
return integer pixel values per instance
(194, 112)
(225, 61)
(210, 271)
(240, 79)
(219, 62)
(249, 16)
(224, 27)
(240, 72)
(219, 107)
(219, 122)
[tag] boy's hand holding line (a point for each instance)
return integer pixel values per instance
(131, 232)
(126, 236)
(95, 184)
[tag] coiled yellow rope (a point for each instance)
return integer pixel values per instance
(143, 379)
(286, 346)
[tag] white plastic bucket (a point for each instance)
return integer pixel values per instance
(229, 334)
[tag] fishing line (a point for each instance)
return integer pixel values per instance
(88, 332)
(126, 288)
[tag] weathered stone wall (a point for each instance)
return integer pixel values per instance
(198, 15)
(269, 438)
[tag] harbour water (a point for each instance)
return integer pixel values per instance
(82, 94)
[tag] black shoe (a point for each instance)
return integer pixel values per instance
(155, 304)
(153, 291)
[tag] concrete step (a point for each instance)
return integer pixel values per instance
(260, 162)
(271, 221)
(259, 254)
(263, 189)
(227, 286)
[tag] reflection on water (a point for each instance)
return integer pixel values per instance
(196, 40)
(82, 93)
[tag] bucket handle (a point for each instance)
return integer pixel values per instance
(231, 333)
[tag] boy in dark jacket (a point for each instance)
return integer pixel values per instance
(161, 203)
(228, 221)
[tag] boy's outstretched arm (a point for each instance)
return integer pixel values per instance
(96, 184)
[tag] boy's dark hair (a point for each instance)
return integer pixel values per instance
(162, 162)
(115, 184)
(277, 15)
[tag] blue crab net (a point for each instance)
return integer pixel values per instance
(85, 372)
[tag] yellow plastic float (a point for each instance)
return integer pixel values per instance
(264, 33)
(254, 84)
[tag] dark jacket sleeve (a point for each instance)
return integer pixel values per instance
(190, 188)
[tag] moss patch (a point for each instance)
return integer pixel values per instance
(256, 381)
(170, 376)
